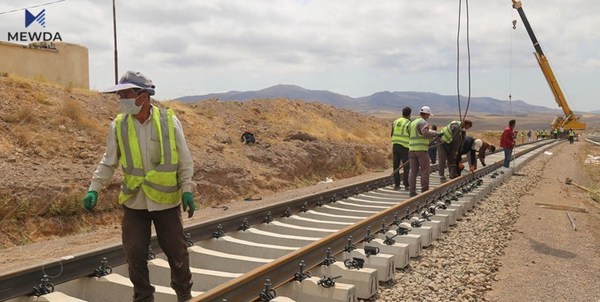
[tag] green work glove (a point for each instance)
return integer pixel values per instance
(188, 203)
(90, 199)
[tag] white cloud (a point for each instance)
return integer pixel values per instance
(350, 46)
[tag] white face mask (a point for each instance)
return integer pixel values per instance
(128, 106)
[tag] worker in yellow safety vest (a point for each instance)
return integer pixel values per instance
(419, 137)
(400, 141)
(452, 137)
(149, 145)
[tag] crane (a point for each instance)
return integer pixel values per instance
(569, 120)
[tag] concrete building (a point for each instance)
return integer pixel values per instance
(58, 62)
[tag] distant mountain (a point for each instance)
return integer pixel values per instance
(444, 103)
(291, 92)
(380, 101)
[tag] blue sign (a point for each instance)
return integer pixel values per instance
(39, 18)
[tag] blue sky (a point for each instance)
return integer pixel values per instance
(351, 47)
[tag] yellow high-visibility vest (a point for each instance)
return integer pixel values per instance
(447, 133)
(159, 184)
(400, 135)
(417, 141)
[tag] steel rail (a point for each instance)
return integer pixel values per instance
(249, 285)
(21, 283)
(593, 140)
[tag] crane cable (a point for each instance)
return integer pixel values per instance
(460, 114)
(514, 26)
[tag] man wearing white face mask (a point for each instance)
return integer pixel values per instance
(149, 144)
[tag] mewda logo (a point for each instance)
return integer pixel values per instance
(39, 18)
(25, 36)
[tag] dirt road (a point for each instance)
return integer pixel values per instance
(547, 260)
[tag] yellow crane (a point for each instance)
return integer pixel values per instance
(569, 120)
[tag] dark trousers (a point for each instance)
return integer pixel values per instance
(400, 155)
(448, 156)
(507, 156)
(433, 154)
(136, 228)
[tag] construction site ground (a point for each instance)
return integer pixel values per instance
(549, 258)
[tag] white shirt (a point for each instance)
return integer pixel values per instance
(149, 141)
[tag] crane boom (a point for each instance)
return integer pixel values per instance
(570, 120)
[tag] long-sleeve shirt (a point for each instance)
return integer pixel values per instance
(467, 148)
(507, 140)
(423, 128)
(149, 141)
(472, 153)
(456, 132)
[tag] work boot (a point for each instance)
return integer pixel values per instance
(184, 299)
(412, 194)
(443, 179)
(396, 187)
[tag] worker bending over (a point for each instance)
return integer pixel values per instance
(451, 136)
(474, 148)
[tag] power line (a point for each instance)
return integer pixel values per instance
(33, 6)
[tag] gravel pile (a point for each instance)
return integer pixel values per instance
(461, 265)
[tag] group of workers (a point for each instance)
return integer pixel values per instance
(416, 144)
(540, 134)
(555, 133)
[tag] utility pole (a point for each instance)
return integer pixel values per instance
(115, 37)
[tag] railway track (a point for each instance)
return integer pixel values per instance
(593, 139)
(333, 246)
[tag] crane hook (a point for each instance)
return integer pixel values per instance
(514, 24)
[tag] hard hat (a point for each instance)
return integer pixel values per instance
(477, 144)
(426, 109)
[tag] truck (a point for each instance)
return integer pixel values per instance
(569, 120)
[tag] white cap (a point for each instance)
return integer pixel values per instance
(426, 109)
(132, 79)
(477, 144)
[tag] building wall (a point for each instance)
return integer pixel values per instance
(66, 64)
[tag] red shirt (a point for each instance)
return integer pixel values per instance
(507, 140)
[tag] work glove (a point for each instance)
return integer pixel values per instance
(472, 168)
(90, 199)
(188, 203)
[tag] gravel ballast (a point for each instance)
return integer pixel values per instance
(463, 264)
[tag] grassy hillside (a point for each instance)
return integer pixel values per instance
(53, 138)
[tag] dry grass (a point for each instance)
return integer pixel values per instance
(72, 109)
(23, 114)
